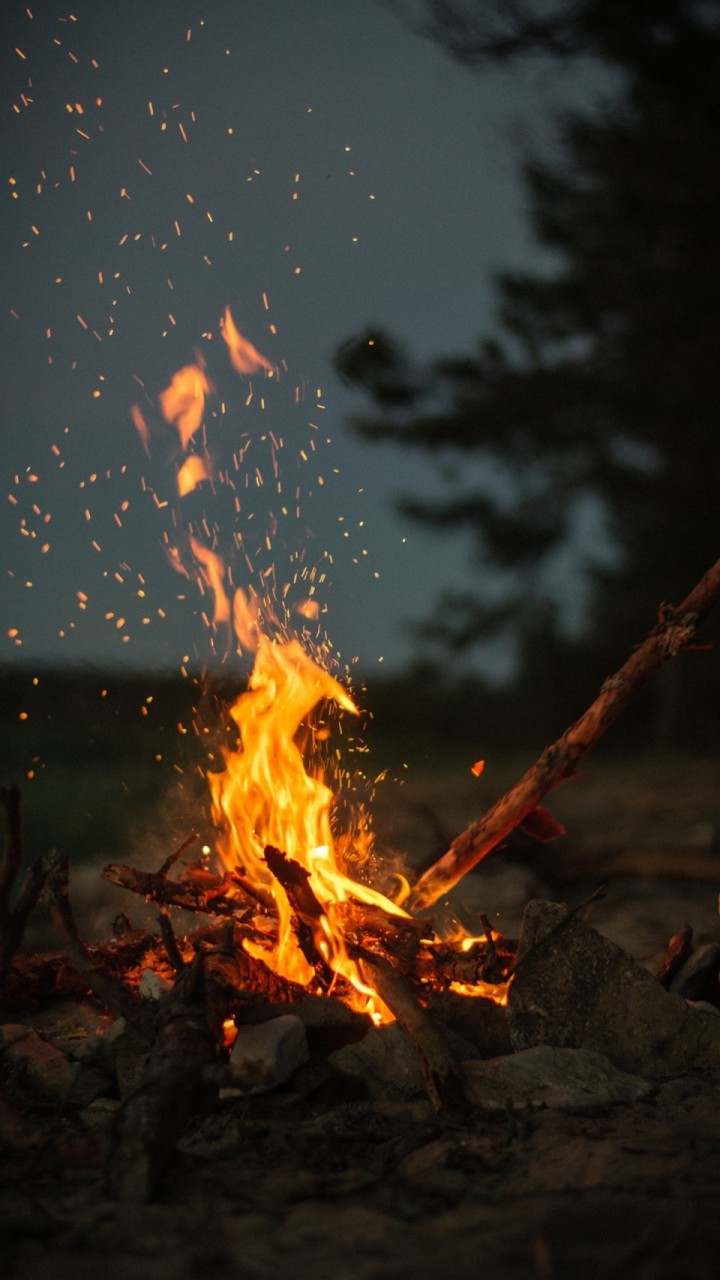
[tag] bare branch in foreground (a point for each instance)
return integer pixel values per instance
(675, 631)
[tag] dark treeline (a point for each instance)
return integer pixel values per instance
(595, 401)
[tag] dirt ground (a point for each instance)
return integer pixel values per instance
(285, 1186)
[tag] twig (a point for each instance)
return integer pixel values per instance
(169, 940)
(487, 928)
(675, 631)
(173, 857)
(596, 896)
(206, 895)
(153, 1116)
(439, 1066)
(13, 917)
(110, 991)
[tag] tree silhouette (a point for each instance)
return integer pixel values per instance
(599, 404)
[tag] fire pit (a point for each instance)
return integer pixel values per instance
(326, 1032)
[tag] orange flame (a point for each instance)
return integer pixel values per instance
(267, 794)
(182, 404)
(265, 797)
(212, 572)
(141, 425)
(244, 356)
(192, 472)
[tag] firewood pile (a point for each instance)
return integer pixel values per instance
(113, 1054)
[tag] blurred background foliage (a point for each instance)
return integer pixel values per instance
(577, 446)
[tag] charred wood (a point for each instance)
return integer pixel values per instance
(209, 895)
(308, 911)
(153, 1116)
(442, 1075)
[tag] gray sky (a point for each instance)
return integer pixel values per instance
(313, 165)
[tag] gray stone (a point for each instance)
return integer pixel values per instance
(46, 1070)
(152, 985)
(386, 1061)
(698, 978)
(266, 1054)
(325, 1011)
(481, 1022)
(329, 1023)
(571, 1080)
(575, 989)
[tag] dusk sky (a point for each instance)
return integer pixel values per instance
(313, 165)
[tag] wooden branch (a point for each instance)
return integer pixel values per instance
(675, 630)
(14, 915)
(154, 1115)
(441, 1071)
(12, 852)
(109, 990)
(179, 1075)
(307, 909)
(191, 894)
(33, 978)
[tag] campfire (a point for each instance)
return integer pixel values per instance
(306, 942)
(301, 889)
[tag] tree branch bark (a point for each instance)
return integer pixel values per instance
(675, 631)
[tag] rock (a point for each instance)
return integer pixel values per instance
(575, 989)
(571, 1080)
(152, 985)
(329, 1023)
(698, 978)
(72, 1025)
(385, 1061)
(47, 1071)
(481, 1022)
(266, 1055)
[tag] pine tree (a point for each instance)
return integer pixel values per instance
(602, 394)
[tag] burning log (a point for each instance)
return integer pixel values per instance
(393, 988)
(309, 913)
(675, 630)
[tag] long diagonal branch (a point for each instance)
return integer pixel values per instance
(675, 631)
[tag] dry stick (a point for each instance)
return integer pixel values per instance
(177, 853)
(110, 991)
(187, 894)
(439, 1066)
(152, 1117)
(675, 630)
(13, 917)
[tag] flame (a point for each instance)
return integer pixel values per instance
(141, 425)
(308, 609)
(192, 472)
(274, 789)
(211, 573)
(265, 796)
(244, 356)
(182, 404)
